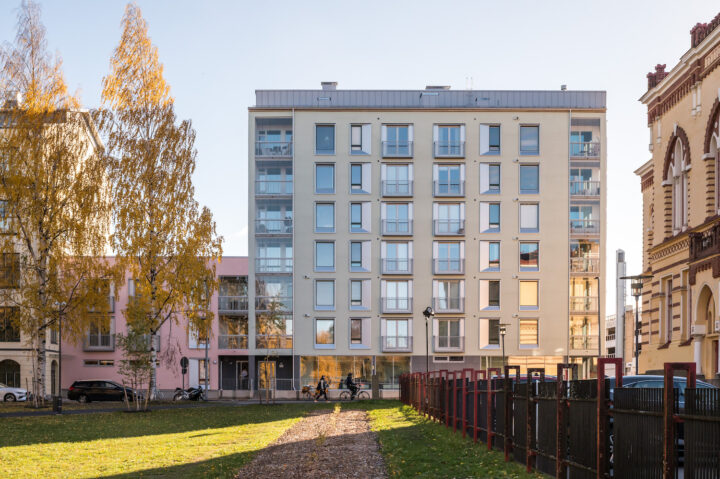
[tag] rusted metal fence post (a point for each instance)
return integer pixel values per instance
(562, 405)
(476, 394)
(530, 423)
(508, 408)
(490, 434)
(669, 413)
(465, 378)
(603, 411)
(449, 377)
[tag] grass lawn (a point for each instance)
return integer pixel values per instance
(217, 441)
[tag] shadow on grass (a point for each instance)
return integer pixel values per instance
(223, 466)
(88, 427)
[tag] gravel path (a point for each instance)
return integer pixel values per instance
(324, 445)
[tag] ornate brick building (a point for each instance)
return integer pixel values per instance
(681, 209)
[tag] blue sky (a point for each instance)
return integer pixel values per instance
(216, 53)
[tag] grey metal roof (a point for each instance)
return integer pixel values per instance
(430, 99)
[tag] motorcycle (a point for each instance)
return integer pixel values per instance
(189, 394)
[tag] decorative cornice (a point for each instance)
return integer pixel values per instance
(646, 181)
(671, 248)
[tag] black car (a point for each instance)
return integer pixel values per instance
(99, 390)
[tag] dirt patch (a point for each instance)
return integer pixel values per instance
(324, 445)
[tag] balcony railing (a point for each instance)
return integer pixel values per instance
(232, 303)
(263, 303)
(449, 149)
(610, 337)
(273, 149)
(583, 342)
(273, 187)
(232, 341)
(397, 304)
(584, 227)
(448, 343)
(273, 341)
(274, 265)
(704, 244)
(584, 265)
(396, 343)
(585, 188)
(274, 227)
(99, 342)
(397, 227)
(583, 304)
(585, 149)
(397, 149)
(397, 266)
(449, 266)
(449, 227)
(442, 188)
(397, 188)
(449, 305)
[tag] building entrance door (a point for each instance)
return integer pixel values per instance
(243, 375)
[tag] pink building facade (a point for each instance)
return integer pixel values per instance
(98, 357)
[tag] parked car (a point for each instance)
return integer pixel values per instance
(658, 381)
(9, 394)
(100, 390)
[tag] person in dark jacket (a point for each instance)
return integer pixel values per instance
(321, 389)
(351, 385)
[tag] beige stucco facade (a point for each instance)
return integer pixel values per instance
(474, 321)
(680, 211)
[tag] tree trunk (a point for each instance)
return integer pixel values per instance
(152, 390)
(40, 369)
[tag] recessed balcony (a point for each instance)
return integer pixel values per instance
(274, 226)
(273, 187)
(274, 265)
(232, 303)
(583, 304)
(273, 341)
(584, 227)
(585, 189)
(273, 149)
(232, 341)
(585, 149)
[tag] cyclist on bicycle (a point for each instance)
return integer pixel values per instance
(322, 388)
(351, 386)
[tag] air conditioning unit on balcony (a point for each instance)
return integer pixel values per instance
(697, 329)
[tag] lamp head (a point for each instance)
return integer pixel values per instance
(428, 312)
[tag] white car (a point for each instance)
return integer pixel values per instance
(9, 394)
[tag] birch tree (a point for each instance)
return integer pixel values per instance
(161, 236)
(54, 208)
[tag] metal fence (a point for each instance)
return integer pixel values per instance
(570, 428)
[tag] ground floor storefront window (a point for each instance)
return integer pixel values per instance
(336, 368)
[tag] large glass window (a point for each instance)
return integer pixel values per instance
(449, 143)
(356, 293)
(494, 216)
(529, 179)
(528, 295)
(325, 139)
(489, 256)
(325, 217)
(397, 257)
(397, 180)
(324, 178)
(489, 294)
(449, 218)
(324, 294)
(397, 333)
(324, 256)
(489, 139)
(356, 254)
(398, 141)
(529, 256)
(528, 333)
(449, 295)
(397, 218)
(449, 333)
(356, 331)
(9, 328)
(529, 139)
(449, 180)
(397, 297)
(448, 258)
(529, 220)
(356, 177)
(324, 331)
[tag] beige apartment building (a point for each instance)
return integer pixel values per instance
(367, 207)
(626, 350)
(681, 209)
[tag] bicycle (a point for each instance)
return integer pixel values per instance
(345, 395)
(308, 392)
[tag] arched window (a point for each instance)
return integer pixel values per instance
(10, 373)
(678, 170)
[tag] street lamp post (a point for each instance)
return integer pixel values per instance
(428, 313)
(636, 287)
(58, 405)
(503, 331)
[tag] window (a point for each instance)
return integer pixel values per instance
(324, 331)
(529, 221)
(98, 362)
(449, 257)
(489, 256)
(324, 256)
(9, 328)
(396, 257)
(397, 334)
(324, 139)
(4, 223)
(360, 139)
(357, 296)
(448, 359)
(397, 140)
(324, 295)
(449, 140)
(489, 178)
(356, 331)
(582, 220)
(494, 332)
(325, 217)
(397, 180)
(355, 254)
(489, 139)
(324, 178)
(489, 217)
(489, 294)
(449, 334)
(397, 296)
(678, 170)
(529, 333)
(449, 218)
(528, 295)
(529, 140)
(529, 179)
(356, 177)
(9, 270)
(449, 295)
(396, 218)
(529, 256)
(449, 180)
(355, 216)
